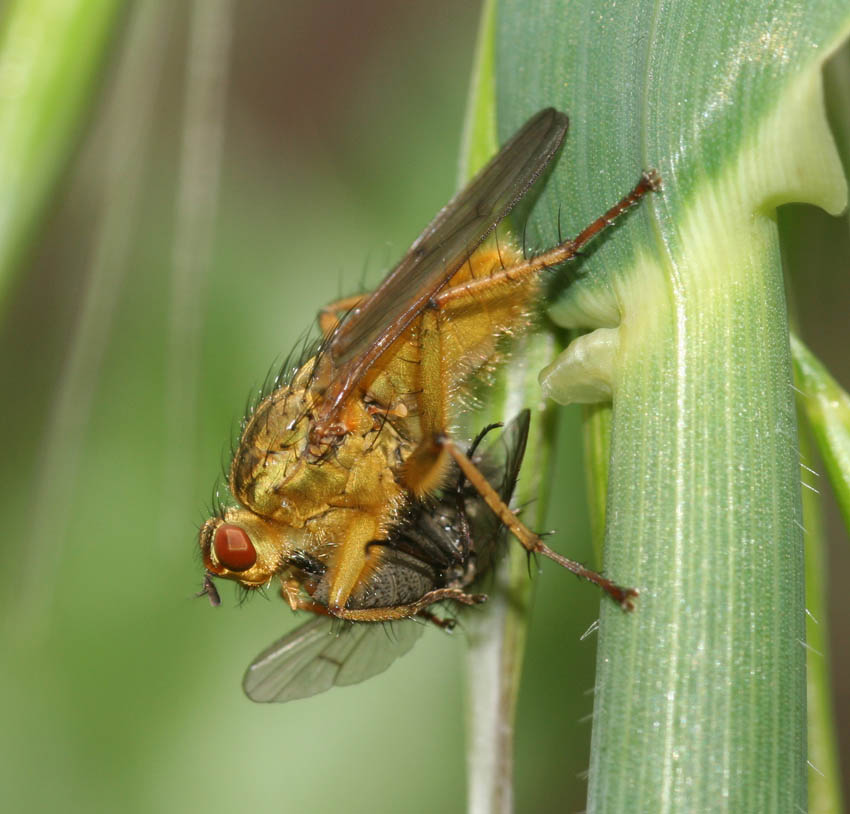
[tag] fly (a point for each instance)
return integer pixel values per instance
(333, 463)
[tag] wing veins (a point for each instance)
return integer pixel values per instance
(443, 247)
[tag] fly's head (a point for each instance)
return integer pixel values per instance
(248, 549)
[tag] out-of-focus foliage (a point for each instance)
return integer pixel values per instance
(51, 56)
(341, 141)
(126, 686)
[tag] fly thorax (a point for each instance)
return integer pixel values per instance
(270, 453)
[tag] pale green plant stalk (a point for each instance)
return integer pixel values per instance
(827, 407)
(497, 632)
(700, 695)
(825, 794)
(597, 448)
(821, 394)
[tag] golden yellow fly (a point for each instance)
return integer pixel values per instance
(339, 466)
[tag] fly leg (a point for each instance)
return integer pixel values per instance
(425, 468)
(350, 559)
(531, 541)
(490, 287)
(329, 316)
(444, 624)
(413, 609)
(449, 310)
(290, 590)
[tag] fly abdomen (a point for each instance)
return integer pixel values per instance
(399, 579)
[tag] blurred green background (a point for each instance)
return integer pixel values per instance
(341, 135)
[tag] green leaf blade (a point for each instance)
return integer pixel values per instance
(700, 698)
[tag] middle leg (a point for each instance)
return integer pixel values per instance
(530, 541)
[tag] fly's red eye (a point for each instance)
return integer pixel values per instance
(234, 548)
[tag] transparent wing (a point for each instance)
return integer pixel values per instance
(323, 653)
(441, 249)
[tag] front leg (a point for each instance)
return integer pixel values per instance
(329, 315)
(424, 470)
(350, 558)
(290, 590)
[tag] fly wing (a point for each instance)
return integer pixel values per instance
(441, 249)
(321, 654)
(507, 457)
(325, 652)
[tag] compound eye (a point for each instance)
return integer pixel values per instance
(234, 548)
